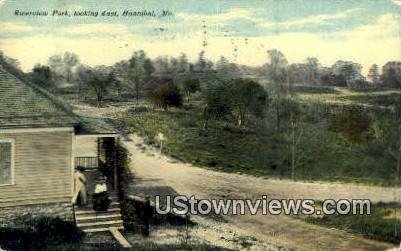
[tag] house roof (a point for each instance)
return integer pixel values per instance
(94, 126)
(25, 105)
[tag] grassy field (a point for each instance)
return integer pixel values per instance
(382, 224)
(322, 153)
(338, 135)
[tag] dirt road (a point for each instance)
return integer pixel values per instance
(155, 174)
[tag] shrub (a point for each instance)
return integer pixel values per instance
(166, 95)
(38, 233)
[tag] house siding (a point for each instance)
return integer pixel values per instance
(86, 146)
(42, 168)
(8, 215)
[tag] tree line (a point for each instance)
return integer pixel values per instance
(142, 76)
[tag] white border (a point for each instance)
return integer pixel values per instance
(12, 141)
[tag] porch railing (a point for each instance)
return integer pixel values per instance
(87, 162)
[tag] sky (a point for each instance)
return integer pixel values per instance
(363, 31)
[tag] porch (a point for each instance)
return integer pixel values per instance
(95, 165)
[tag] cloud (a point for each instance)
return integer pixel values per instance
(385, 26)
(367, 44)
(310, 20)
(398, 2)
(220, 17)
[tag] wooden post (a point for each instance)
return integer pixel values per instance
(114, 164)
(147, 215)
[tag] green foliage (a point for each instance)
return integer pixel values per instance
(277, 71)
(216, 102)
(239, 99)
(191, 86)
(314, 89)
(358, 85)
(140, 70)
(321, 153)
(247, 98)
(99, 87)
(41, 75)
(166, 95)
(381, 225)
(39, 233)
(12, 66)
(352, 122)
(391, 76)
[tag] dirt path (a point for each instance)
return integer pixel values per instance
(155, 174)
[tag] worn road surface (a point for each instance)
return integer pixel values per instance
(157, 174)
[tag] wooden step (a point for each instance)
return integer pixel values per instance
(100, 218)
(99, 230)
(90, 212)
(101, 224)
(97, 216)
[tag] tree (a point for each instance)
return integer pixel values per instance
(99, 87)
(277, 66)
(238, 99)
(373, 74)
(11, 65)
(140, 68)
(203, 65)
(183, 65)
(391, 74)
(396, 153)
(63, 65)
(100, 79)
(162, 66)
(345, 73)
(56, 64)
(298, 73)
(313, 68)
(166, 94)
(226, 69)
(70, 60)
(191, 86)
(247, 98)
(97, 80)
(83, 75)
(174, 70)
(122, 75)
(41, 75)
(148, 68)
(216, 102)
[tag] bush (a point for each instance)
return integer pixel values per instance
(39, 233)
(358, 85)
(166, 95)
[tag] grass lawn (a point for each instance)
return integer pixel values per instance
(384, 223)
(321, 154)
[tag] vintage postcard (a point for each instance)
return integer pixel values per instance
(200, 125)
